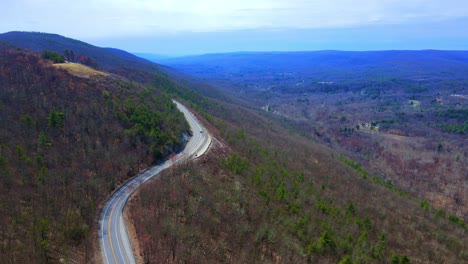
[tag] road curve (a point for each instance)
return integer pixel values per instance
(113, 235)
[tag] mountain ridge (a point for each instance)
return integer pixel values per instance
(109, 59)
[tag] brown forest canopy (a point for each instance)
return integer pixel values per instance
(65, 143)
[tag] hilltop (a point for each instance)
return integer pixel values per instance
(106, 59)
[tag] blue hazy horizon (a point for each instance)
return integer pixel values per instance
(449, 35)
(185, 27)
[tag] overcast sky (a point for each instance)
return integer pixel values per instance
(200, 26)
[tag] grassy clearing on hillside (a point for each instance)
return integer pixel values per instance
(80, 70)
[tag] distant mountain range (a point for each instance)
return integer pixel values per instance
(153, 57)
(330, 65)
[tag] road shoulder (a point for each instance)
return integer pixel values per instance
(132, 235)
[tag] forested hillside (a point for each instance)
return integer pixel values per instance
(265, 194)
(66, 142)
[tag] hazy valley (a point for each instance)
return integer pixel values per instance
(402, 114)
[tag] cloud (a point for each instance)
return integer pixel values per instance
(111, 18)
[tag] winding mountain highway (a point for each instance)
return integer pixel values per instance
(113, 236)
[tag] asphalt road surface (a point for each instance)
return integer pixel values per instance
(113, 235)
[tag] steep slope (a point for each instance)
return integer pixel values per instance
(267, 195)
(65, 143)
